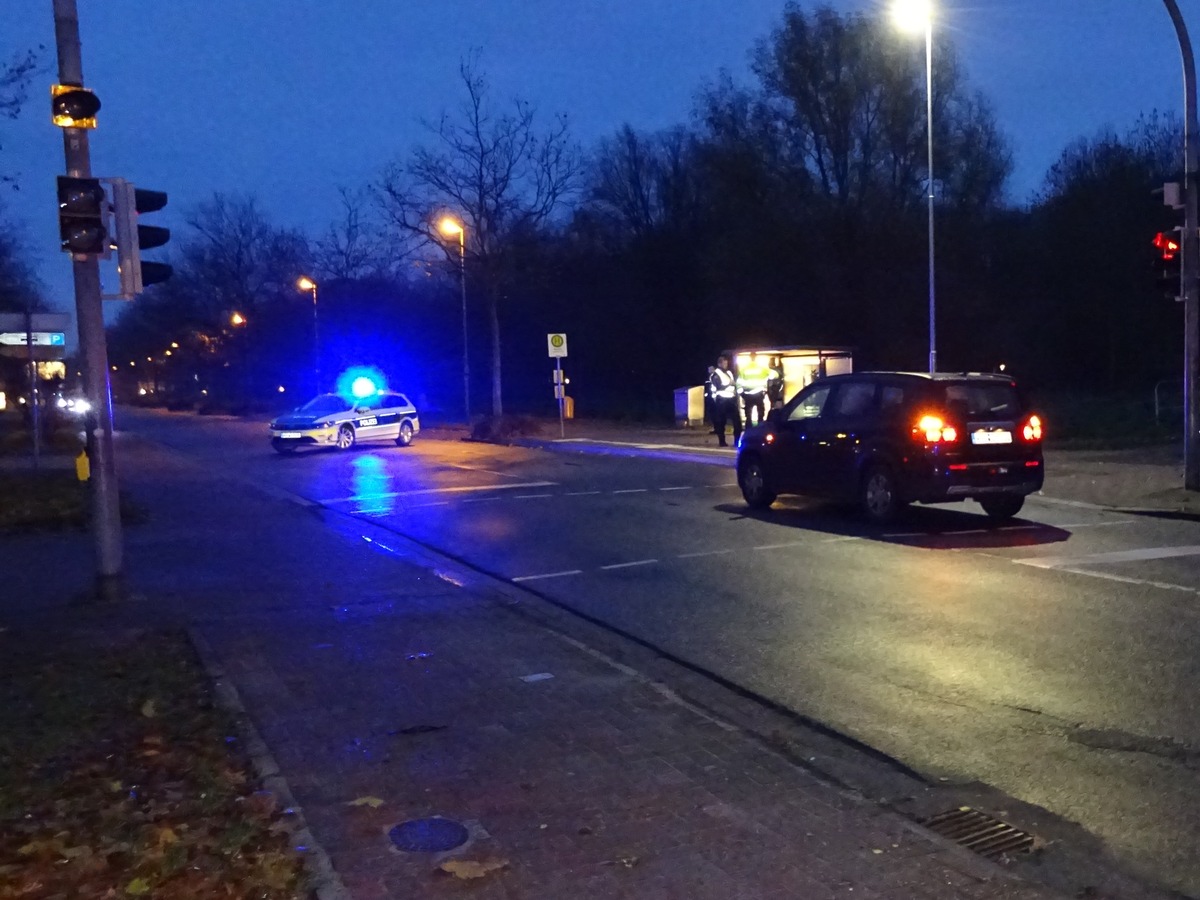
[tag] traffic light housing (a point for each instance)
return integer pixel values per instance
(73, 106)
(137, 273)
(1169, 251)
(83, 216)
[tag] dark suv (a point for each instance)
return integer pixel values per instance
(886, 439)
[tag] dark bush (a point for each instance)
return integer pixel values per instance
(499, 429)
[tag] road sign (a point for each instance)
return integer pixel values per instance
(40, 338)
(557, 344)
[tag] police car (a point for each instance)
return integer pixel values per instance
(330, 420)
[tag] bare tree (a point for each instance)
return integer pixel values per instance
(496, 171)
(356, 246)
(15, 76)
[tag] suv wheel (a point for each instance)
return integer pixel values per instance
(878, 495)
(345, 437)
(752, 479)
(406, 434)
(1002, 506)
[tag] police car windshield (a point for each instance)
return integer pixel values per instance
(325, 404)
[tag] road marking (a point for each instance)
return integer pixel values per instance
(531, 496)
(631, 491)
(1116, 556)
(1125, 579)
(684, 488)
(1095, 524)
(548, 575)
(704, 553)
(781, 546)
(640, 562)
(446, 490)
(581, 493)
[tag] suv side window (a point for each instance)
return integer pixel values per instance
(891, 398)
(810, 404)
(854, 399)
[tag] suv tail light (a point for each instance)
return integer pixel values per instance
(1032, 429)
(933, 430)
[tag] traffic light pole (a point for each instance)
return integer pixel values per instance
(89, 313)
(1191, 260)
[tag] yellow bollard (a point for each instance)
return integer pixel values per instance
(83, 466)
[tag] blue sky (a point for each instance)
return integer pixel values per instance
(291, 100)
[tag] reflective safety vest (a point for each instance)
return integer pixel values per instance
(752, 379)
(723, 385)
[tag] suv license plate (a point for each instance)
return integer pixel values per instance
(991, 437)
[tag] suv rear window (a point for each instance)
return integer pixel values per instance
(981, 400)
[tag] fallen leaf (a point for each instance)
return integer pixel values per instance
(148, 709)
(473, 868)
(373, 802)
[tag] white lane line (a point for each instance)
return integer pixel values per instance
(480, 499)
(632, 491)
(1095, 524)
(780, 546)
(548, 575)
(581, 493)
(446, 490)
(704, 553)
(684, 488)
(484, 471)
(1116, 556)
(640, 562)
(426, 505)
(531, 496)
(1124, 579)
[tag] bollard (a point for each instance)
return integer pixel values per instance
(83, 466)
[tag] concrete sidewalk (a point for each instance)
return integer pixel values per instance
(391, 687)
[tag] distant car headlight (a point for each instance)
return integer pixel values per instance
(79, 407)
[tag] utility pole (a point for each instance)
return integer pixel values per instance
(89, 315)
(1190, 261)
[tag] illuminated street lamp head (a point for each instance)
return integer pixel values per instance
(450, 226)
(305, 283)
(237, 319)
(912, 15)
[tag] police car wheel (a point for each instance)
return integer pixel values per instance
(345, 437)
(404, 438)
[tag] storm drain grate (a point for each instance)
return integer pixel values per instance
(979, 832)
(432, 835)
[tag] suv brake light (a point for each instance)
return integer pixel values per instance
(1032, 431)
(932, 430)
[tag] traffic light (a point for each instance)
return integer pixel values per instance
(82, 216)
(73, 106)
(1169, 247)
(137, 273)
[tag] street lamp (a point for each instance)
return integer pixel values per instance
(913, 16)
(449, 226)
(307, 284)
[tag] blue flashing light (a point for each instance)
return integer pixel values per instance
(358, 382)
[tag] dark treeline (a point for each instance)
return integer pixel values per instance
(789, 210)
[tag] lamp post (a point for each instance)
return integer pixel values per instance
(307, 284)
(914, 15)
(450, 226)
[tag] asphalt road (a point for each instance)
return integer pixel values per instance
(1054, 658)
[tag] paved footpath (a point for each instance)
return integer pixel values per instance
(387, 687)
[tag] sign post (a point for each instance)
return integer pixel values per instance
(557, 345)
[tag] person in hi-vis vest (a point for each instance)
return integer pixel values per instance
(752, 381)
(725, 400)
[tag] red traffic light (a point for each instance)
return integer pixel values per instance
(1167, 244)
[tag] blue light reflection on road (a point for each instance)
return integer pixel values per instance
(371, 485)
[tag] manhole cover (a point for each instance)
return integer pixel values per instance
(430, 835)
(979, 832)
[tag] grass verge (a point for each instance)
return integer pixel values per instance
(120, 778)
(50, 499)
